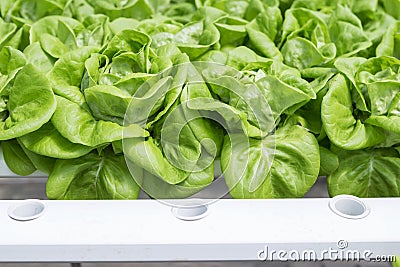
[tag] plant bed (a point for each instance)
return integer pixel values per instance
(147, 230)
(110, 99)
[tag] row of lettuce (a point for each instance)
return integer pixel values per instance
(330, 71)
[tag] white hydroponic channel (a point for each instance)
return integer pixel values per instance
(227, 229)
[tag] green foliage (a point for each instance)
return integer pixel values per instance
(106, 97)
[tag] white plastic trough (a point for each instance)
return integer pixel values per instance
(146, 230)
(225, 230)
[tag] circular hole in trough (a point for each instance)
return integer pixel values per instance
(350, 207)
(190, 210)
(27, 210)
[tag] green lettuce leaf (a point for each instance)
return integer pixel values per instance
(283, 165)
(92, 176)
(366, 173)
(31, 104)
(16, 159)
(47, 141)
(342, 128)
